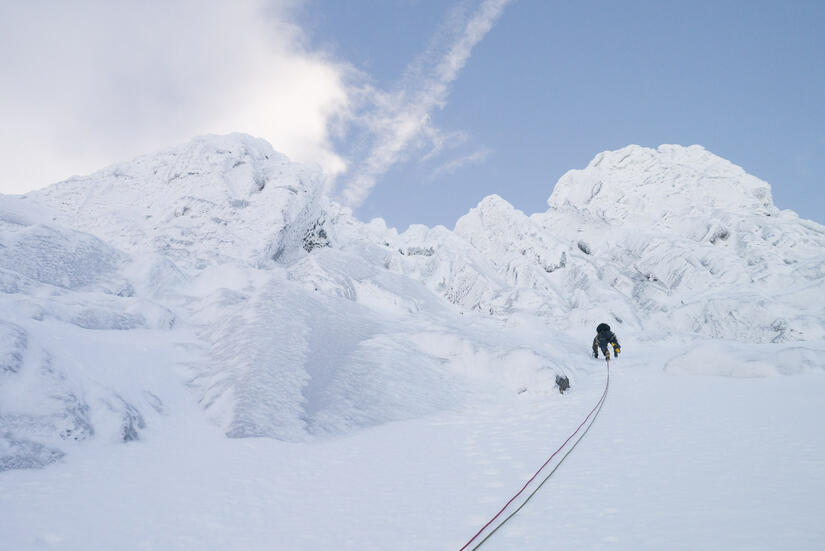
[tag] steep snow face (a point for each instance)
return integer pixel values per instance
(292, 357)
(213, 200)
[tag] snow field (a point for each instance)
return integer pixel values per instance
(413, 484)
(673, 461)
(688, 462)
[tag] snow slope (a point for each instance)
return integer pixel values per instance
(673, 462)
(215, 289)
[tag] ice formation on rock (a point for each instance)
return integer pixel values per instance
(290, 318)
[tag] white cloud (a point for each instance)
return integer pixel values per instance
(401, 121)
(441, 141)
(88, 83)
(450, 167)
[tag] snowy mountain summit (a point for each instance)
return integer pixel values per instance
(698, 244)
(653, 184)
(214, 200)
(222, 265)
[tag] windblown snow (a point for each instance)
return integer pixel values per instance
(221, 273)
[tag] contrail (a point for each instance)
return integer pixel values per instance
(402, 119)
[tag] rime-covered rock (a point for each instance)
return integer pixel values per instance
(221, 264)
(210, 201)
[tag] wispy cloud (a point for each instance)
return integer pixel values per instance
(440, 141)
(401, 121)
(450, 167)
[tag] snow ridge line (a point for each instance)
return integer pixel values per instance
(596, 410)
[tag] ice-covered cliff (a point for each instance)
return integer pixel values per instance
(222, 264)
(214, 200)
(694, 243)
(658, 241)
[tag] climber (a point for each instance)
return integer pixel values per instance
(605, 336)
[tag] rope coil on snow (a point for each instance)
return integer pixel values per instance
(594, 413)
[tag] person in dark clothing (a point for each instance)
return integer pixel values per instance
(605, 336)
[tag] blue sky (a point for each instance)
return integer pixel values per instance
(554, 83)
(417, 109)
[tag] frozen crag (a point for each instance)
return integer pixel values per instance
(222, 265)
(300, 329)
(638, 185)
(654, 241)
(694, 243)
(214, 200)
(65, 312)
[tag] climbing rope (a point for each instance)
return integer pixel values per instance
(594, 413)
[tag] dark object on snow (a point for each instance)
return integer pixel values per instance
(605, 336)
(563, 383)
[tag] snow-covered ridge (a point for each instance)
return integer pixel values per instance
(222, 263)
(674, 239)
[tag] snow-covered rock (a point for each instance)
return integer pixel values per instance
(693, 242)
(223, 264)
(212, 200)
(68, 370)
(638, 185)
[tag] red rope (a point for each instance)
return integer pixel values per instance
(538, 471)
